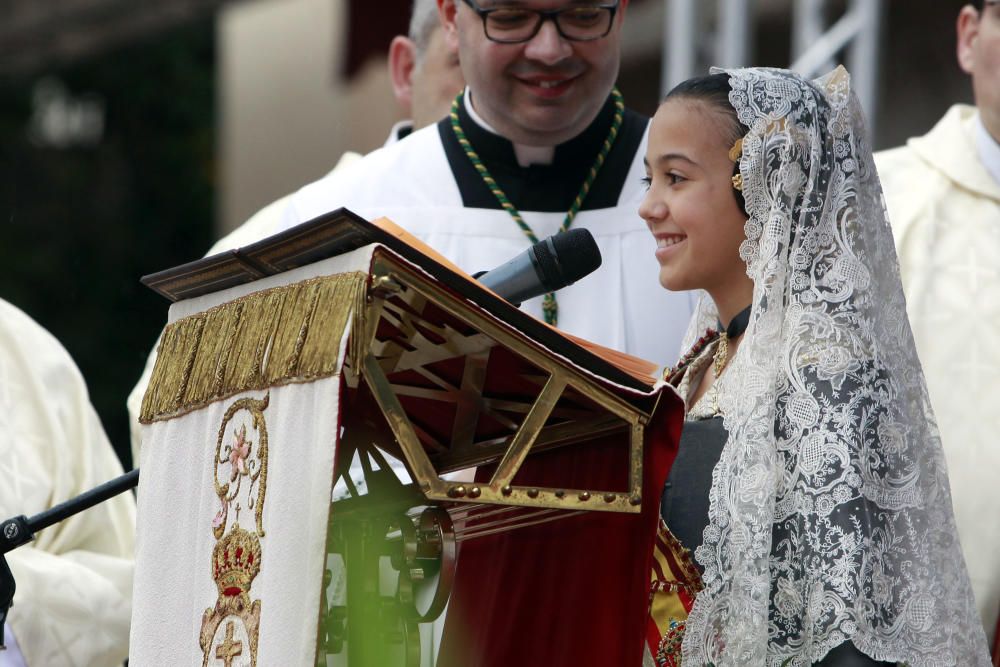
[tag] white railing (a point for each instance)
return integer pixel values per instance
(694, 40)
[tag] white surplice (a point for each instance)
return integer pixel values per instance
(74, 582)
(414, 184)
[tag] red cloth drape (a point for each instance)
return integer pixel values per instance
(573, 592)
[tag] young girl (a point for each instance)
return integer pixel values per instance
(810, 481)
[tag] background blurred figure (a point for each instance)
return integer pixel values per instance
(425, 71)
(943, 195)
(74, 582)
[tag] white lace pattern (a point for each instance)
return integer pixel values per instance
(830, 515)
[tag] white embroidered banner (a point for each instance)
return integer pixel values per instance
(234, 496)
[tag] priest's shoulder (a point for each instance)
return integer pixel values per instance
(407, 170)
(912, 187)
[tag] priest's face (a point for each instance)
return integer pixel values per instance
(979, 55)
(540, 92)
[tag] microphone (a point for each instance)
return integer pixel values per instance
(549, 265)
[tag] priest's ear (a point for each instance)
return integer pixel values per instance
(446, 11)
(402, 63)
(968, 33)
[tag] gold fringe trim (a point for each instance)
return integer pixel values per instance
(273, 337)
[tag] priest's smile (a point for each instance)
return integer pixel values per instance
(548, 86)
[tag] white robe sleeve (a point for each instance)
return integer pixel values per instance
(73, 600)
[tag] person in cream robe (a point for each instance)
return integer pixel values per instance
(74, 581)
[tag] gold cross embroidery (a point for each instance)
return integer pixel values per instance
(229, 649)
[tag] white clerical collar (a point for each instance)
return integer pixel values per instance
(988, 149)
(399, 131)
(526, 155)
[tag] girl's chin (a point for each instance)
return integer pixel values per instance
(673, 282)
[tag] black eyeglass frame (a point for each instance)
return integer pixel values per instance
(543, 16)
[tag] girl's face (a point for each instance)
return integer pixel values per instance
(690, 206)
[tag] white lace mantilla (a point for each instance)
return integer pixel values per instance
(830, 509)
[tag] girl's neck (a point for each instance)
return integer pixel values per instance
(730, 301)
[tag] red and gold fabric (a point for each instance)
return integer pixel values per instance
(674, 583)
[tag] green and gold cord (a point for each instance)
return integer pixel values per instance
(550, 308)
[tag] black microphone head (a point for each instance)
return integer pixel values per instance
(564, 258)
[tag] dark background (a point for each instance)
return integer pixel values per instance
(82, 224)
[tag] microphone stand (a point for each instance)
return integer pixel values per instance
(20, 530)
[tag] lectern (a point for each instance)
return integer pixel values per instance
(336, 403)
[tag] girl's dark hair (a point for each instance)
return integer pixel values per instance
(714, 91)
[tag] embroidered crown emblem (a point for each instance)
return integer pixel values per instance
(230, 629)
(235, 563)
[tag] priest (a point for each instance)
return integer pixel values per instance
(539, 141)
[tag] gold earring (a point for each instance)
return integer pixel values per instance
(738, 182)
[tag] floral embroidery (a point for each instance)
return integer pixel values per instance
(238, 453)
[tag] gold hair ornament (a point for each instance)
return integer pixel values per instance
(734, 154)
(737, 150)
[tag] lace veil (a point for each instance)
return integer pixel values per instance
(830, 511)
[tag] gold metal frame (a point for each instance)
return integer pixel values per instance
(395, 283)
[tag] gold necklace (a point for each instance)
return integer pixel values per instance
(721, 355)
(719, 360)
